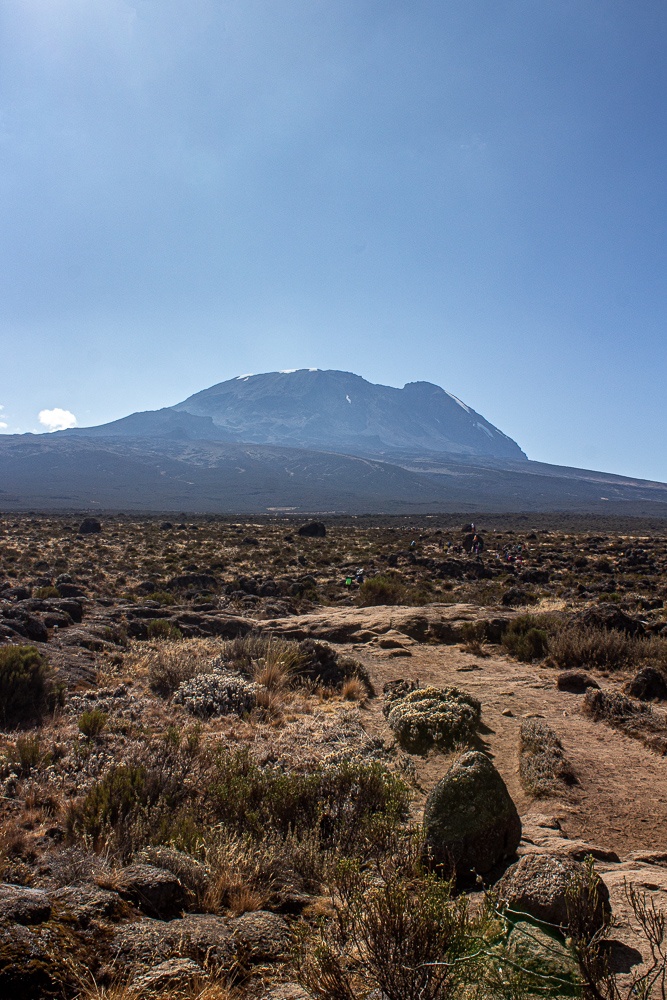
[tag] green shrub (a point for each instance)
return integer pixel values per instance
(44, 593)
(160, 628)
(342, 801)
(434, 717)
(589, 646)
(394, 934)
(162, 597)
(28, 754)
(156, 800)
(93, 722)
(26, 691)
(526, 638)
(384, 589)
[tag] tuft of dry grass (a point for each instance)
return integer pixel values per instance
(543, 767)
(168, 664)
(127, 991)
(634, 718)
(245, 873)
(354, 689)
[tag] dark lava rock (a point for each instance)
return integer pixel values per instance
(89, 526)
(314, 529)
(202, 937)
(262, 936)
(537, 885)
(174, 976)
(36, 962)
(538, 576)
(648, 684)
(22, 905)
(610, 617)
(575, 681)
(155, 891)
(86, 904)
(193, 581)
(516, 597)
(166, 526)
(70, 590)
(470, 821)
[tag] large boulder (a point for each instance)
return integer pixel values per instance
(611, 618)
(575, 681)
(314, 529)
(648, 684)
(155, 891)
(470, 821)
(537, 886)
(22, 905)
(262, 936)
(89, 526)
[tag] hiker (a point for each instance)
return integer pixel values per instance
(360, 575)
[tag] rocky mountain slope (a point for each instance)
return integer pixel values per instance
(324, 410)
(60, 472)
(305, 441)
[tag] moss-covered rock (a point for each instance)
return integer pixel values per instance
(470, 820)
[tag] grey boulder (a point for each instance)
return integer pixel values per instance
(537, 886)
(470, 821)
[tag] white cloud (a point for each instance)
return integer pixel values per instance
(57, 419)
(3, 425)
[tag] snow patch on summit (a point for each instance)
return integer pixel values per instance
(457, 400)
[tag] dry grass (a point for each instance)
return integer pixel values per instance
(168, 664)
(277, 659)
(245, 873)
(543, 767)
(126, 991)
(354, 689)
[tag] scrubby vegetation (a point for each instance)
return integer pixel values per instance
(190, 705)
(26, 688)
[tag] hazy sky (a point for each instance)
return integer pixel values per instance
(470, 193)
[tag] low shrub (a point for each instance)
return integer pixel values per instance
(381, 589)
(395, 934)
(526, 638)
(169, 664)
(217, 693)
(433, 717)
(93, 722)
(162, 597)
(26, 688)
(28, 754)
(634, 718)
(543, 766)
(155, 800)
(339, 801)
(588, 646)
(160, 628)
(45, 593)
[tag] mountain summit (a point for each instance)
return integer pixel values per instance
(340, 411)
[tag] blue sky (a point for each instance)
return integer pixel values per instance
(469, 193)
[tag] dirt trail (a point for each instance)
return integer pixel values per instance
(621, 800)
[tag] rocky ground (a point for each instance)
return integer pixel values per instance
(220, 715)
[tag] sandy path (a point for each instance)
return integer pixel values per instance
(621, 800)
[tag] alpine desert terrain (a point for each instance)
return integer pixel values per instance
(355, 757)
